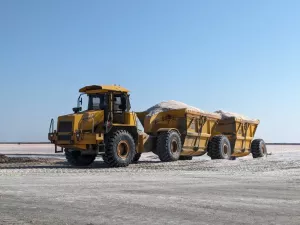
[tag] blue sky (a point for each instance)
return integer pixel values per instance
(240, 56)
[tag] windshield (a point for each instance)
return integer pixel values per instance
(97, 102)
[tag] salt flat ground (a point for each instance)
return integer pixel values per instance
(201, 191)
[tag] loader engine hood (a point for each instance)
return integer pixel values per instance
(85, 121)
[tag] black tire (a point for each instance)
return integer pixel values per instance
(120, 149)
(208, 148)
(258, 148)
(185, 157)
(75, 158)
(219, 147)
(168, 146)
(137, 157)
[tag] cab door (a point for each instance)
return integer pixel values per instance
(119, 107)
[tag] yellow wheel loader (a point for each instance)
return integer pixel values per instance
(106, 127)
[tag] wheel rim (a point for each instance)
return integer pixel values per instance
(263, 149)
(123, 149)
(174, 146)
(225, 149)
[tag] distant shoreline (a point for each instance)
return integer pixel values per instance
(23, 143)
(282, 143)
(38, 143)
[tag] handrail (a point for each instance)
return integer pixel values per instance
(51, 128)
(93, 127)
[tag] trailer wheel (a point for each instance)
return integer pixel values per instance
(168, 146)
(258, 148)
(219, 147)
(75, 158)
(185, 157)
(137, 157)
(120, 149)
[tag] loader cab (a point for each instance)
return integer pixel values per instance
(114, 105)
(114, 100)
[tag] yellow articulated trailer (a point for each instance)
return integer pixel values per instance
(237, 136)
(183, 133)
(178, 134)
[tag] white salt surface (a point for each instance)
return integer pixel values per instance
(33, 149)
(279, 152)
(262, 191)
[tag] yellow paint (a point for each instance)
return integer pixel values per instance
(103, 88)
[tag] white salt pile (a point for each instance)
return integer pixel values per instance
(227, 115)
(172, 104)
(169, 105)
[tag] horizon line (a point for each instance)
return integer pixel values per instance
(44, 142)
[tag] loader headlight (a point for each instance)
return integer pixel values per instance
(77, 134)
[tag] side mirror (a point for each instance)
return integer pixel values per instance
(80, 101)
(77, 109)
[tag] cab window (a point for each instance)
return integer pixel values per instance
(97, 102)
(120, 103)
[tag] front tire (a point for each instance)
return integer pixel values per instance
(120, 149)
(219, 147)
(75, 158)
(169, 146)
(258, 148)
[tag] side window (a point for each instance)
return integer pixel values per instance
(117, 103)
(128, 103)
(120, 103)
(96, 103)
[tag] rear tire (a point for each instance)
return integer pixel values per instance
(120, 149)
(75, 158)
(169, 146)
(183, 157)
(258, 148)
(219, 147)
